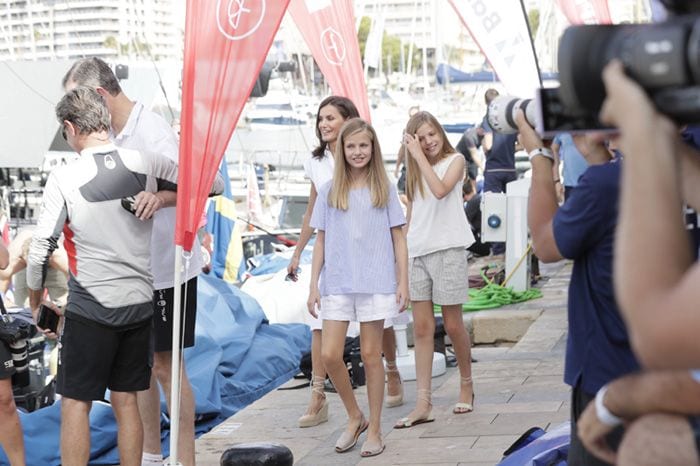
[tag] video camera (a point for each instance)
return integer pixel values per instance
(664, 58)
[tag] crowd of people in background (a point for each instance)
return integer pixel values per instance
(601, 201)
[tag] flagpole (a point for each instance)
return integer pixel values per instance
(532, 42)
(175, 363)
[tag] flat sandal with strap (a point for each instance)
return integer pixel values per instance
(464, 408)
(406, 422)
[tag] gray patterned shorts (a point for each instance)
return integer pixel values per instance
(441, 277)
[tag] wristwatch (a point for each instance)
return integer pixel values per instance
(543, 151)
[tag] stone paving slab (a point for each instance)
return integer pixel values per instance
(516, 388)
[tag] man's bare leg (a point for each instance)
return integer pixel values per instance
(11, 437)
(162, 364)
(130, 433)
(149, 408)
(658, 439)
(75, 432)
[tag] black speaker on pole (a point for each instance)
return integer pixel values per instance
(121, 72)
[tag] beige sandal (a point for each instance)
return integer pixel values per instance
(366, 451)
(348, 440)
(463, 408)
(321, 416)
(393, 400)
(406, 422)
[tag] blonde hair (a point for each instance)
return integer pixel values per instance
(377, 180)
(414, 179)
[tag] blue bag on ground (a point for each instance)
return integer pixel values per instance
(550, 449)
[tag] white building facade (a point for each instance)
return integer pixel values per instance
(70, 29)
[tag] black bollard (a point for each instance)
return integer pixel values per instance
(257, 454)
(439, 344)
(358, 368)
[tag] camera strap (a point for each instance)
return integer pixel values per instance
(3, 311)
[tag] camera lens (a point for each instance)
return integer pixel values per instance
(18, 350)
(502, 111)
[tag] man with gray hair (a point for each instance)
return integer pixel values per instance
(105, 341)
(135, 127)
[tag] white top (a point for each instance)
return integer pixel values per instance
(147, 131)
(438, 224)
(320, 171)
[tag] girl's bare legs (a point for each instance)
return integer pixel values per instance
(371, 350)
(393, 378)
(461, 343)
(333, 345)
(423, 338)
(317, 371)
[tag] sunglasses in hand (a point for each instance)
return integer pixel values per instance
(292, 277)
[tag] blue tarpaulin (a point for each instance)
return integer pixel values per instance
(238, 357)
(550, 449)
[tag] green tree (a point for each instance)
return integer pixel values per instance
(533, 17)
(111, 43)
(391, 46)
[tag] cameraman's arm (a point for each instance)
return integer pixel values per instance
(542, 201)
(4, 256)
(558, 185)
(656, 287)
(635, 395)
(690, 172)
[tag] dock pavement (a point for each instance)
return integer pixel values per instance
(517, 386)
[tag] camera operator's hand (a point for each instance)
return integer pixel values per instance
(628, 108)
(527, 136)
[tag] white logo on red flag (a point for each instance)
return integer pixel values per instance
(237, 19)
(333, 46)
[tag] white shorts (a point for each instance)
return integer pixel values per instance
(402, 318)
(360, 307)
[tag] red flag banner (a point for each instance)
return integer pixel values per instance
(226, 42)
(501, 31)
(328, 27)
(585, 11)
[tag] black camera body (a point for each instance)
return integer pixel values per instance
(663, 58)
(14, 333)
(13, 330)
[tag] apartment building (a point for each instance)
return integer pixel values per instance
(69, 29)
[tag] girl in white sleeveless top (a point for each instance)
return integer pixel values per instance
(438, 235)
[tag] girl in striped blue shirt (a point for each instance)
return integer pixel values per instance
(359, 271)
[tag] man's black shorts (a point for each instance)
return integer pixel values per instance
(7, 367)
(163, 316)
(94, 357)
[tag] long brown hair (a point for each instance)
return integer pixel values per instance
(346, 109)
(377, 178)
(414, 179)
